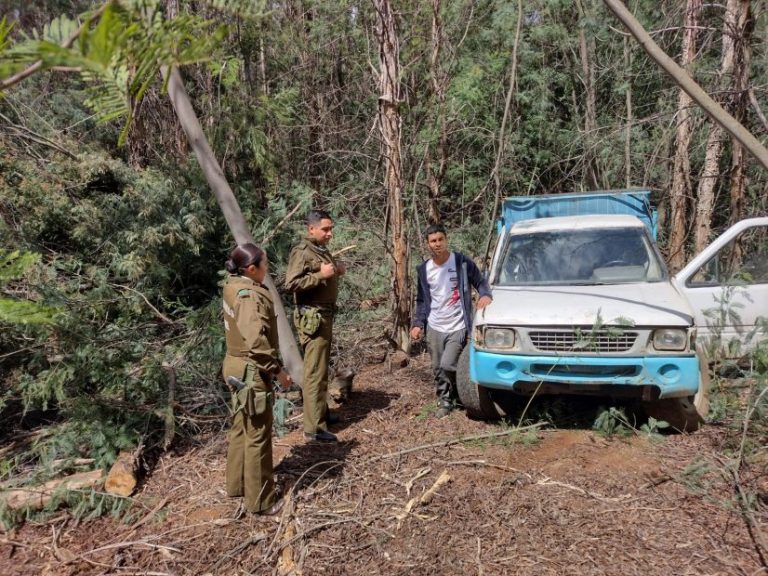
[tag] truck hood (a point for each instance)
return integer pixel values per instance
(645, 304)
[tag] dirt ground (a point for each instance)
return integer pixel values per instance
(383, 501)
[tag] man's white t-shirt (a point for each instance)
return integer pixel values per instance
(445, 313)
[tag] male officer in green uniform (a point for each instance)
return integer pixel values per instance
(312, 276)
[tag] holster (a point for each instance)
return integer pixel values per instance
(307, 320)
(250, 400)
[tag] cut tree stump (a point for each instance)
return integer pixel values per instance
(38, 497)
(121, 479)
(398, 359)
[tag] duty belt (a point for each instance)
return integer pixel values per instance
(324, 309)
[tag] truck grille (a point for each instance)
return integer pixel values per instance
(586, 341)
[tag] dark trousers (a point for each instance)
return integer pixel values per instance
(444, 350)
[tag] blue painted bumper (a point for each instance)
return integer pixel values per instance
(673, 375)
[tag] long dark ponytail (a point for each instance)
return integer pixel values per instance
(243, 256)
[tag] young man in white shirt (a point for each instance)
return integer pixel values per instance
(444, 310)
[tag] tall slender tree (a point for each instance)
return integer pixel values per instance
(680, 191)
(436, 162)
(743, 59)
(587, 55)
(390, 127)
(705, 194)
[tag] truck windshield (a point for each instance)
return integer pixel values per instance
(591, 256)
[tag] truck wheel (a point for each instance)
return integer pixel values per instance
(685, 414)
(476, 399)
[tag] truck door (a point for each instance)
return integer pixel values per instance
(727, 287)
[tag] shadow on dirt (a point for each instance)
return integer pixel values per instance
(313, 461)
(570, 411)
(360, 405)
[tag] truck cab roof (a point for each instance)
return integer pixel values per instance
(575, 223)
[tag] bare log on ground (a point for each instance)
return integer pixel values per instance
(122, 479)
(38, 497)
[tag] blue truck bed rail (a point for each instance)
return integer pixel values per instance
(633, 202)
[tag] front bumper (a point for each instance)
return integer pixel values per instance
(672, 376)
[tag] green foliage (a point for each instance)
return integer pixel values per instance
(242, 8)
(83, 505)
(14, 265)
(612, 422)
(760, 352)
(426, 411)
(653, 427)
(100, 432)
(5, 30)
(133, 257)
(119, 52)
(695, 476)
(282, 409)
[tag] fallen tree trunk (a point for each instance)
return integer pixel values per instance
(122, 477)
(682, 79)
(38, 497)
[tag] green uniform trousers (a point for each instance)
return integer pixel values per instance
(249, 456)
(317, 355)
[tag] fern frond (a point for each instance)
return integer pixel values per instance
(17, 57)
(186, 39)
(119, 54)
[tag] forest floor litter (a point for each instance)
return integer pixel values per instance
(406, 493)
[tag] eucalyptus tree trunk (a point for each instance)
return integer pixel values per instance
(680, 190)
(229, 208)
(743, 59)
(733, 23)
(741, 136)
(587, 55)
(628, 101)
(436, 172)
(389, 122)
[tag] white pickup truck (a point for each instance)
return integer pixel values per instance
(583, 304)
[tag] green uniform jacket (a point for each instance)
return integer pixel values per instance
(303, 276)
(250, 326)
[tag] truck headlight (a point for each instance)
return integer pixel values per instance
(497, 338)
(670, 339)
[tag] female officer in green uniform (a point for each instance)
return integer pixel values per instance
(251, 333)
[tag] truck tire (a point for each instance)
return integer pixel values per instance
(476, 399)
(685, 414)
